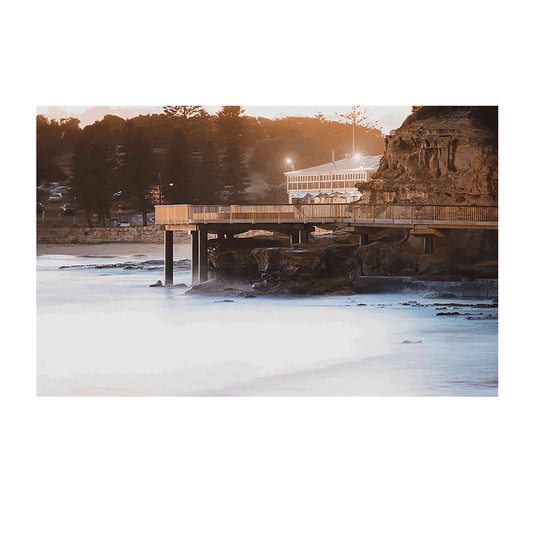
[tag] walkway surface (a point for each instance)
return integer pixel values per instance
(390, 215)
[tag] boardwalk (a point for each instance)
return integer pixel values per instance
(452, 217)
(297, 221)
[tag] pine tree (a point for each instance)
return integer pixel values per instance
(136, 171)
(91, 177)
(211, 192)
(177, 189)
(80, 184)
(231, 132)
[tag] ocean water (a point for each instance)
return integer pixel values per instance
(106, 332)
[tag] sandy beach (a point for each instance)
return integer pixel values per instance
(111, 249)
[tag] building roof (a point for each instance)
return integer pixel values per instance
(366, 162)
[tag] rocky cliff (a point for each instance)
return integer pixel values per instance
(440, 155)
(332, 264)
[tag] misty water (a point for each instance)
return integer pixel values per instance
(106, 332)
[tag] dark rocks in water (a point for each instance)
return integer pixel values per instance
(412, 342)
(217, 287)
(272, 267)
(456, 305)
(151, 264)
(306, 286)
(453, 313)
(435, 295)
(160, 284)
(334, 286)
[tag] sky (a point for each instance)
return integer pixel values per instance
(387, 117)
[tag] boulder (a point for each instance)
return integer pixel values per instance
(211, 287)
(291, 263)
(440, 296)
(429, 264)
(383, 259)
(334, 286)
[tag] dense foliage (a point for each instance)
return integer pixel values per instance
(186, 155)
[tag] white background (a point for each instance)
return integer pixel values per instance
(33, 96)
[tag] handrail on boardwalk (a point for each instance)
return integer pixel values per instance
(188, 214)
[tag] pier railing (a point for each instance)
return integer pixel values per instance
(444, 215)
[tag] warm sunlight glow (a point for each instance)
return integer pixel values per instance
(289, 160)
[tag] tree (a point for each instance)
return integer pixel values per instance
(136, 172)
(91, 177)
(177, 182)
(48, 144)
(267, 157)
(276, 192)
(209, 168)
(183, 111)
(231, 132)
(80, 183)
(357, 117)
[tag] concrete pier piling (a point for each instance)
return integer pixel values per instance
(194, 256)
(202, 255)
(169, 257)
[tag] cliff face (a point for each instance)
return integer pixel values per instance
(448, 159)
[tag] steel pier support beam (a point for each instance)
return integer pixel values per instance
(363, 239)
(304, 236)
(194, 257)
(169, 257)
(202, 255)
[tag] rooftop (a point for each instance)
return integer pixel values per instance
(366, 162)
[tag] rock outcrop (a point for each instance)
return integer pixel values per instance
(440, 155)
(333, 264)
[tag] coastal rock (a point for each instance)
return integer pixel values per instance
(383, 259)
(213, 287)
(333, 286)
(429, 264)
(291, 263)
(439, 295)
(340, 260)
(443, 156)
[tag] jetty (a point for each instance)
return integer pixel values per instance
(299, 220)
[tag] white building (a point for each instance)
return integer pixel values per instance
(334, 182)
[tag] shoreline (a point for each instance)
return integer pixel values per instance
(364, 284)
(112, 249)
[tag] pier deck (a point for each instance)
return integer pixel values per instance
(298, 221)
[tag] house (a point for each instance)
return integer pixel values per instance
(334, 182)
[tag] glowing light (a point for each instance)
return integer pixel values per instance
(357, 157)
(289, 160)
